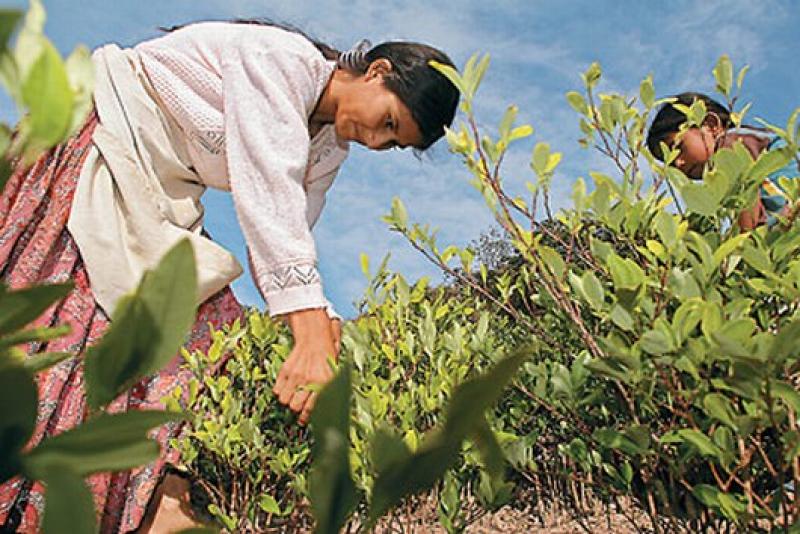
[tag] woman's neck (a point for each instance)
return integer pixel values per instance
(325, 110)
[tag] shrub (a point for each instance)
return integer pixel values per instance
(661, 368)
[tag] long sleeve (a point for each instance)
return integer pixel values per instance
(268, 97)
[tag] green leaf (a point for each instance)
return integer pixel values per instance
(480, 71)
(477, 395)
(269, 504)
(621, 441)
(577, 102)
(18, 404)
(541, 156)
(69, 507)
(784, 344)
(520, 132)
(720, 407)
(9, 18)
(770, 161)
(740, 77)
(592, 75)
(593, 290)
(723, 74)
(399, 213)
(727, 248)
(5, 144)
(492, 455)
(625, 273)
(508, 121)
(706, 494)
(331, 487)
(40, 334)
(621, 317)
(699, 199)
(700, 442)
(108, 442)
(47, 94)
(147, 328)
(30, 40)
(647, 93)
(80, 71)
(788, 394)
(387, 449)
(20, 307)
(666, 228)
(656, 342)
(451, 74)
(553, 260)
(41, 361)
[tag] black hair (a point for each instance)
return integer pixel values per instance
(668, 120)
(430, 97)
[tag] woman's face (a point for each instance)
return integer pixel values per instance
(370, 114)
(697, 145)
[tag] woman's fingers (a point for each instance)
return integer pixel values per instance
(286, 384)
(309, 405)
(336, 330)
(298, 400)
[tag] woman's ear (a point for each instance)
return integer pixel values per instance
(714, 124)
(380, 66)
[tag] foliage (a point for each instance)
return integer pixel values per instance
(105, 442)
(249, 457)
(52, 96)
(679, 390)
(661, 369)
(251, 460)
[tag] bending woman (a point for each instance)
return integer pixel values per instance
(251, 108)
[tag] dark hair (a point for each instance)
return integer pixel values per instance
(431, 98)
(668, 120)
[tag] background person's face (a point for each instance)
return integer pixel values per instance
(697, 147)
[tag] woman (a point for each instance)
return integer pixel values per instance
(252, 108)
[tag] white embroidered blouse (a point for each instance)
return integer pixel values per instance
(243, 95)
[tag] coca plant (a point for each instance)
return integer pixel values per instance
(684, 327)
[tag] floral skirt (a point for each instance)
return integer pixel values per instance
(36, 247)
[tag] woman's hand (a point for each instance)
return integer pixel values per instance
(336, 325)
(307, 364)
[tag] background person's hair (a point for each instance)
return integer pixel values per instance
(430, 97)
(668, 120)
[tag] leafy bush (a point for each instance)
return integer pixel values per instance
(53, 96)
(105, 442)
(241, 438)
(661, 370)
(681, 394)
(248, 456)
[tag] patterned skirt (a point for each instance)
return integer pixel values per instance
(36, 247)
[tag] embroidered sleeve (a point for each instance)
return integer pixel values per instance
(268, 96)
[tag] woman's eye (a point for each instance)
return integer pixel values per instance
(389, 123)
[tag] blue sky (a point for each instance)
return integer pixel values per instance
(538, 49)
